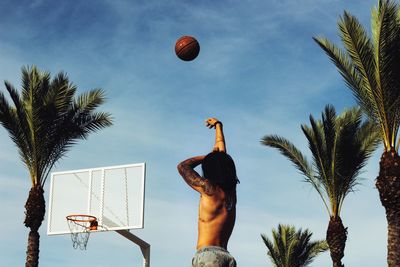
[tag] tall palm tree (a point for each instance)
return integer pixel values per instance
(44, 121)
(340, 146)
(370, 67)
(291, 248)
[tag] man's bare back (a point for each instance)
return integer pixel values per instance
(217, 214)
(217, 207)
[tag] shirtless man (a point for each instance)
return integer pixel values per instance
(217, 209)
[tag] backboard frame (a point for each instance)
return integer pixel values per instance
(90, 171)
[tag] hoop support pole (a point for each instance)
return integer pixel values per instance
(144, 246)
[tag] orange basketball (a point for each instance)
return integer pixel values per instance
(187, 48)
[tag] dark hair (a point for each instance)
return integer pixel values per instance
(219, 169)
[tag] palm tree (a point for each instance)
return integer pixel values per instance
(44, 121)
(340, 146)
(291, 248)
(370, 67)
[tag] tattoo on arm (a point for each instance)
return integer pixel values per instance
(192, 178)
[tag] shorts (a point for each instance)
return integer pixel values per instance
(213, 256)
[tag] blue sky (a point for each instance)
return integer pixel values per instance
(258, 71)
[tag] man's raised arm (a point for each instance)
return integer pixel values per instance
(192, 178)
(219, 134)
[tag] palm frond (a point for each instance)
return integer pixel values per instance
(292, 248)
(19, 128)
(314, 136)
(360, 49)
(272, 253)
(89, 101)
(61, 93)
(351, 77)
(8, 119)
(328, 124)
(291, 152)
(387, 53)
(340, 146)
(74, 126)
(35, 84)
(47, 120)
(298, 159)
(348, 155)
(371, 66)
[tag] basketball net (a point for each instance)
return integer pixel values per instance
(80, 227)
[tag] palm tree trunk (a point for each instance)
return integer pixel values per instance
(393, 218)
(388, 184)
(336, 237)
(32, 254)
(338, 264)
(35, 209)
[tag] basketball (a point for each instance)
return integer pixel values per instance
(187, 48)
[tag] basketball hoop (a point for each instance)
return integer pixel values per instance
(80, 226)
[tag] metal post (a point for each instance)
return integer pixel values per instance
(144, 246)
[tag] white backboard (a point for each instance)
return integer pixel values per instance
(114, 195)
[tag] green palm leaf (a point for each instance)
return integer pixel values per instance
(297, 158)
(340, 146)
(371, 66)
(291, 248)
(290, 151)
(46, 120)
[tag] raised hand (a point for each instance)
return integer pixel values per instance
(211, 122)
(219, 135)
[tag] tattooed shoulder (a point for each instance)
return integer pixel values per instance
(193, 179)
